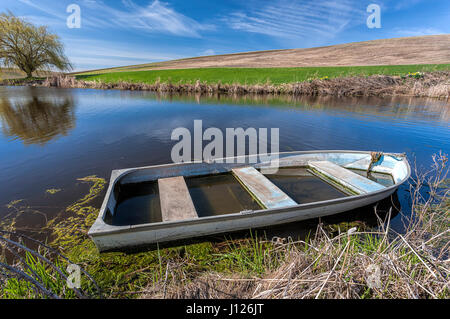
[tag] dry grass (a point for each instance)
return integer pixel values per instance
(411, 50)
(353, 264)
(434, 84)
(13, 73)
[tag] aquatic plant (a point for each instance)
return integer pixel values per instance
(72, 228)
(53, 191)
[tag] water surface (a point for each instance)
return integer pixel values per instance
(50, 137)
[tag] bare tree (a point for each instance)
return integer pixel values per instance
(28, 47)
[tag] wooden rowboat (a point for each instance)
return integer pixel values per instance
(147, 205)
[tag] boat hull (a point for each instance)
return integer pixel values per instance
(108, 237)
(142, 236)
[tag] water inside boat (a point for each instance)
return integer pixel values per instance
(302, 186)
(138, 203)
(380, 178)
(221, 194)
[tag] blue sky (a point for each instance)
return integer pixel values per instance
(125, 32)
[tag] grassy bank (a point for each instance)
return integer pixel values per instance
(333, 261)
(432, 84)
(253, 76)
(402, 80)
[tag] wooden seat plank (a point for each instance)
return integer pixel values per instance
(356, 183)
(263, 190)
(176, 202)
(386, 165)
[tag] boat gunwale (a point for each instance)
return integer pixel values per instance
(101, 228)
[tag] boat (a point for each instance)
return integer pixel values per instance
(162, 203)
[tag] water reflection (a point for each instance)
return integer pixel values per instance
(35, 118)
(390, 106)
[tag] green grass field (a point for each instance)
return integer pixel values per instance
(257, 75)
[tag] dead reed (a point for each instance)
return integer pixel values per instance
(37, 272)
(433, 84)
(354, 264)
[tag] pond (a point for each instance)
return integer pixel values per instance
(50, 137)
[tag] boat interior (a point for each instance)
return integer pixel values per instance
(178, 192)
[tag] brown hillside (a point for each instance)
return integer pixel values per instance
(433, 49)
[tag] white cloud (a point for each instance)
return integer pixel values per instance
(403, 4)
(415, 32)
(159, 17)
(300, 20)
(40, 20)
(89, 54)
(156, 17)
(208, 52)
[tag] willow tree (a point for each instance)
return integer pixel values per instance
(28, 47)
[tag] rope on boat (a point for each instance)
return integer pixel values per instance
(374, 158)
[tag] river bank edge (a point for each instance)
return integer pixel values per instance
(431, 84)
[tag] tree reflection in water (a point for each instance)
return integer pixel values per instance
(35, 118)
